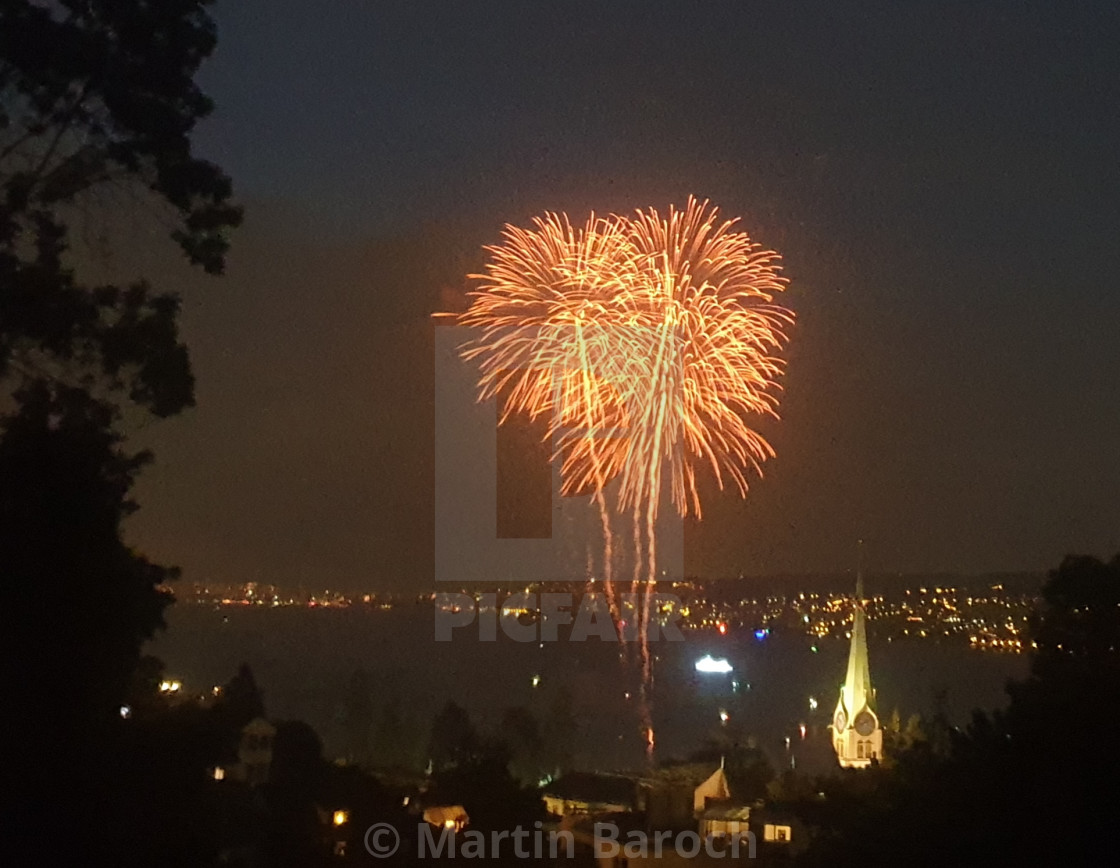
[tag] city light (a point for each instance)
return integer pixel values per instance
(992, 620)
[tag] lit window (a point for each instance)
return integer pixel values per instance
(772, 832)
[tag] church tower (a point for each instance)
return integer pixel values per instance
(857, 736)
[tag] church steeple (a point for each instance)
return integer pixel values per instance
(856, 734)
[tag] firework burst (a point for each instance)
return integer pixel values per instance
(646, 342)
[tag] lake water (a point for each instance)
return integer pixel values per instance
(304, 659)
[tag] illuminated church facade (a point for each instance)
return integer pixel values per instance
(857, 736)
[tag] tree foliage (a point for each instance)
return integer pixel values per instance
(521, 734)
(76, 603)
(97, 97)
(98, 102)
(493, 798)
(66, 575)
(453, 741)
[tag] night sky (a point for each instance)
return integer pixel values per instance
(943, 181)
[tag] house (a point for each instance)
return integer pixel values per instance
(591, 793)
(254, 755)
(776, 831)
(725, 820)
(335, 822)
(452, 817)
(675, 796)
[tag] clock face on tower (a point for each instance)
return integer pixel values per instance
(865, 723)
(840, 721)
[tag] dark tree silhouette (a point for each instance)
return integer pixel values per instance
(368, 802)
(100, 90)
(746, 766)
(521, 734)
(297, 759)
(492, 797)
(293, 832)
(1077, 624)
(389, 735)
(162, 809)
(475, 773)
(453, 740)
(97, 106)
(559, 732)
(73, 595)
(239, 702)
(76, 603)
(358, 712)
(241, 699)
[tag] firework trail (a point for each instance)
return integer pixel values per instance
(646, 342)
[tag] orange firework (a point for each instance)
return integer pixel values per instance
(646, 342)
